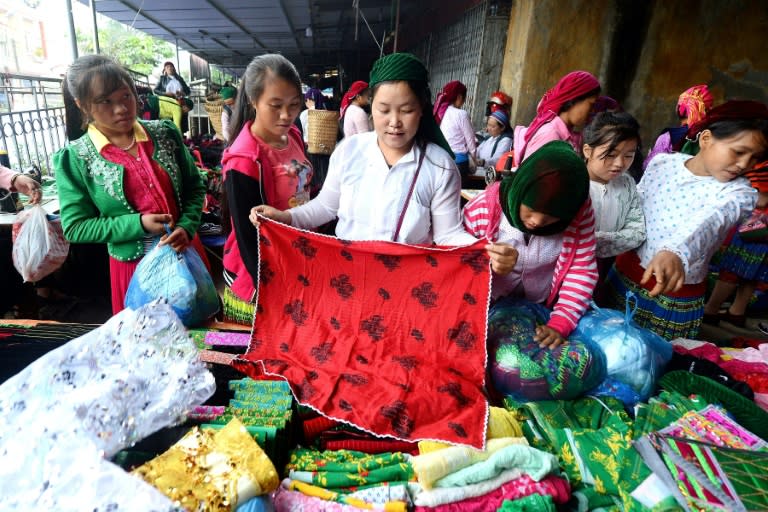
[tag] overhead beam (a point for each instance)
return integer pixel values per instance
(236, 23)
(146, 16)
(291, 27)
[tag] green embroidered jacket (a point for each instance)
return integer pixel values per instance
(92, 200)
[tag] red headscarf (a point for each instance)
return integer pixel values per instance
(571, 86)
(447, 96)
(728, 111)
(694, 102)
(355, 89)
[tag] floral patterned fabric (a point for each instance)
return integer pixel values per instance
(387, 337)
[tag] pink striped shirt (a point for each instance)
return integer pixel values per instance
(575, 272)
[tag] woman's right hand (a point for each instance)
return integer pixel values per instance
(154, 223)
(270, 213)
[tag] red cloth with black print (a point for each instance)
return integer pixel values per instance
(387, 337)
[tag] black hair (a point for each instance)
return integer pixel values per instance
(568, 104)
(611, 128)
(78, 86)
(424, 97)
(252, 86)
(730, 127)
(727, 128)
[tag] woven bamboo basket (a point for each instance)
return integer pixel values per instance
(323, 128)
(214, 108)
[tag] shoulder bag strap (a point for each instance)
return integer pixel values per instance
(410, 193)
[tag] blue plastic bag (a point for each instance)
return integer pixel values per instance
(633, 355)
(179, 278)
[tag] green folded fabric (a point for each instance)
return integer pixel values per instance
(535, 463)
(531, 503)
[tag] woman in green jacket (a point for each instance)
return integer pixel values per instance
(121, 181)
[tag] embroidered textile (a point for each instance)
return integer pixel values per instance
(387, 337)
(212, 470)
(87, 400)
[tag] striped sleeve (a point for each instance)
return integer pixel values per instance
(575, 273)
(479, 213)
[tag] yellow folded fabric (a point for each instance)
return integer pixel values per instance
(212, 470)
(432, 466)
(502, 423)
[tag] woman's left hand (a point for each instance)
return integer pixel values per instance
(28, 187)
(547, 337)
(503, 258)
(178, 239)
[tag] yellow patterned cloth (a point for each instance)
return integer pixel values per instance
(212, 470)
(432, 466)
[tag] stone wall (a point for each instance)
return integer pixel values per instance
(644, 52)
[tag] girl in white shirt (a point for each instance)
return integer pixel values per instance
(398, 182)
(690, 204)
(611, 142)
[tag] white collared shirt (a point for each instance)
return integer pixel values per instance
(368, 196)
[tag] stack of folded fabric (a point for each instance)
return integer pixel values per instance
(263, 407)
(327, 434)
(331, 480)
(465, 479)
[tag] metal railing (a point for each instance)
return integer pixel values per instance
(32, 125)
(31, 119)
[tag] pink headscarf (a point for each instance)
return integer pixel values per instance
(694, 103)
(571, 86)
(355, 89)
(447, 96)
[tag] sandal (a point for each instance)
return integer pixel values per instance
(737, 320)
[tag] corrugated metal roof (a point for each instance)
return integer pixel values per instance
(229, 33)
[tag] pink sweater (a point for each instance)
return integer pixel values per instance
(575, 274)
(556, 129)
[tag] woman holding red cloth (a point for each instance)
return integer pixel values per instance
(562, 110)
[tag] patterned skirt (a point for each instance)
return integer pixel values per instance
(520, 369)
(235, 309)
(676, 315)
(747, 261)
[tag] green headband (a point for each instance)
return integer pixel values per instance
(407, 67)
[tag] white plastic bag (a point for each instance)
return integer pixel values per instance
(39, 246)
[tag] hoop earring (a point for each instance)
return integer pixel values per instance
(695, 138)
